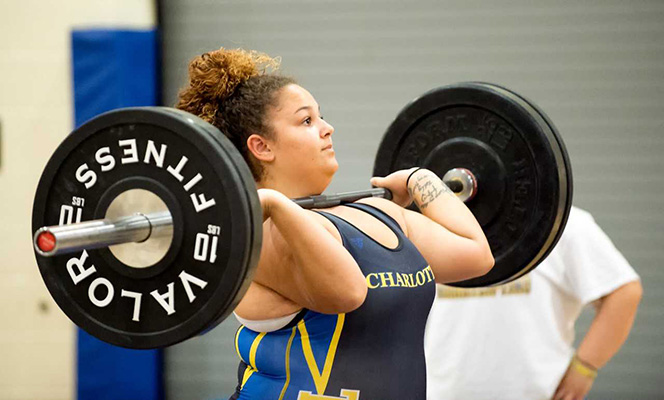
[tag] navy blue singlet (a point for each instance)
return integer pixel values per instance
(373, 353)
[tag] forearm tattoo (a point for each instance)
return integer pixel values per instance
(426, 188)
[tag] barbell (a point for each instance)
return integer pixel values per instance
(147, 225)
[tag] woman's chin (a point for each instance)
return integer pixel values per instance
(331, 173)
(334, 166)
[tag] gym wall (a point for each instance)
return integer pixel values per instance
(37, 341)
(596, 68)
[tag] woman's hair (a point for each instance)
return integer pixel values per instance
(232, 89)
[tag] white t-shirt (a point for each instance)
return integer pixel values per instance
(515, 341)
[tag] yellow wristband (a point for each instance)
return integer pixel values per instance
(583, 368)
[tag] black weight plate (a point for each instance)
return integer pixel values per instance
(249, 187)
(522, 199)
(225, 177)
(565, 172)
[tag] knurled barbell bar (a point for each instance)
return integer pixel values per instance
(53, 240)
(147, 225)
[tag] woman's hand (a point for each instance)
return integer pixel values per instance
(396, 183)
(573, 386)
(269, 198)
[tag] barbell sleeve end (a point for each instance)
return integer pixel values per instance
(50, 241)
(44, 242)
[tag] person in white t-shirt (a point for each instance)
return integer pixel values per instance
(515, 341)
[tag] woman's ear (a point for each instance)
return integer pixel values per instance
(259, 147)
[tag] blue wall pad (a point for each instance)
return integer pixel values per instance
(113, 69)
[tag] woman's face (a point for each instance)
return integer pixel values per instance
(302, 142)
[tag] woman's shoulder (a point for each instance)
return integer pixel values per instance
(327, 224)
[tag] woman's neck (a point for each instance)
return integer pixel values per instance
(290, 189)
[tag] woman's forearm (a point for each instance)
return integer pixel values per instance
(436, 201)
(611, 325)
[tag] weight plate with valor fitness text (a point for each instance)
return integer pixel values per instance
(181, 163)
(522, 171)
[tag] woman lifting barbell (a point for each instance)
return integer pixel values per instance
(340, 298)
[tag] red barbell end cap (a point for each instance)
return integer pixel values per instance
(46, 241)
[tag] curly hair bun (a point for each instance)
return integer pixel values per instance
(214, 76)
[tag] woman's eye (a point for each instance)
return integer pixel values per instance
(307, 121)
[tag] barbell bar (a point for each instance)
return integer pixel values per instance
(55, 240)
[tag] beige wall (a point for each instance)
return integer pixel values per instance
(37, 341)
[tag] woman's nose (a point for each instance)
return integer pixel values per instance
(326, 129)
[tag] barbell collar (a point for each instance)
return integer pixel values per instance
(462, 182)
